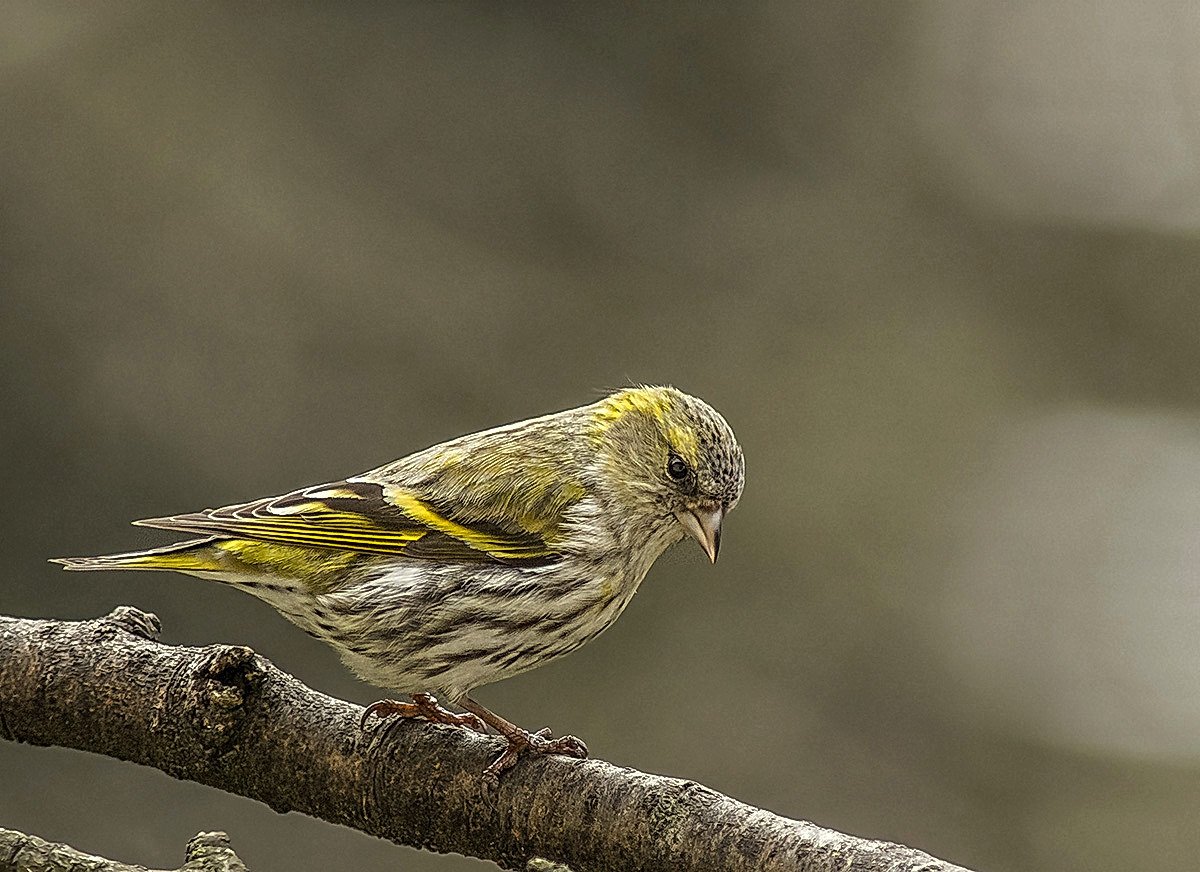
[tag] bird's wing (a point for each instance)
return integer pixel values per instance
(369, 517)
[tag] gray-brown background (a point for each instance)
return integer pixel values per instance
(936, 262)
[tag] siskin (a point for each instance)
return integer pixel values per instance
(481, 557)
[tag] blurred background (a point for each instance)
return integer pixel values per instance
(936, 262)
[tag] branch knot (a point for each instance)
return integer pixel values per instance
(145, 625)
(211, 851)
(228, 677)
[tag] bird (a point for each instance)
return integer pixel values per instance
(478, 558)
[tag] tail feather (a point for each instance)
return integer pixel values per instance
(191, 555)
(190, 523)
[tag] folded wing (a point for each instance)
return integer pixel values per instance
(367, 517)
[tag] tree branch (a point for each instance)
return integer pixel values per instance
(226, 717)
(206, 852)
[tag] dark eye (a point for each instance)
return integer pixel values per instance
(677, 467)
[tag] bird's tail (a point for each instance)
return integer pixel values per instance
(191, 556)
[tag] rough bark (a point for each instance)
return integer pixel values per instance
(224, 716)
(206, 852)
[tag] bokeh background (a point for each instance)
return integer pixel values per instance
(937, 263)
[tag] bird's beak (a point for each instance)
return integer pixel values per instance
(704, 525)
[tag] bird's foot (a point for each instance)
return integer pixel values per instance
(521, 742)
(424, 706)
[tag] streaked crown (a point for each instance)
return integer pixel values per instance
(677, 445)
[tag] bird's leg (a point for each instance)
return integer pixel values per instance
(423, 705)
(520, 741)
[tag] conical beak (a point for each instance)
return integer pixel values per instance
(705, 527)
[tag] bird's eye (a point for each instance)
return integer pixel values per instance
(677, 467)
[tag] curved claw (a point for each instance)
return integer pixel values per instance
(424, 707)
(567, 746)
(535, 743)
(381, 708)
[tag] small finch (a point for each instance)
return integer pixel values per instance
(479, 558)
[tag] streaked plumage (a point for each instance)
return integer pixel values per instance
(481, 557)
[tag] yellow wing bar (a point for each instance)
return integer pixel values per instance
(498, 544)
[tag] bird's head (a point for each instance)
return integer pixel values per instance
(667, 455)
